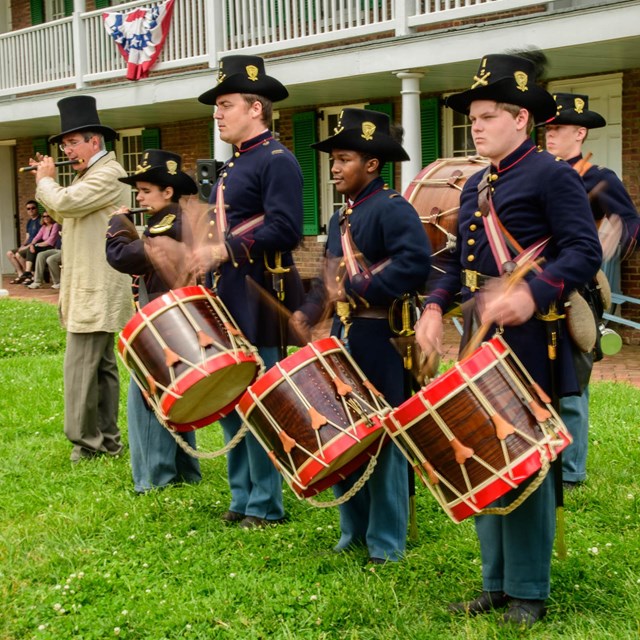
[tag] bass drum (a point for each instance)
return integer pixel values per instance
(435, 195)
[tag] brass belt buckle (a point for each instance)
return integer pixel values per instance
(471, 279)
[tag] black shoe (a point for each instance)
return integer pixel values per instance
(524, 612)
(232, 516)
(485, 602)
(377, 561)
(570, 485)
(253, 522)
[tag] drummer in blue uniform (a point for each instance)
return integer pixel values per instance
(157, 460)
(535, 197)
(257, 224)
(394, 259)
(565, 135)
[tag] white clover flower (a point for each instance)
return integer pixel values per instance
(58, 586)
(188, 627)
(116, 631)
(594, 550)
(145, 565)
(81, 574)
(42, 627)
(124, 612)
(629, 496)
(73, 575)
(66, 586)
(147, 590)
(57, 606)
(168, 536)
(232, 575)
(313, 597)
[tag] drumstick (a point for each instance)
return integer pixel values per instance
(518, 274)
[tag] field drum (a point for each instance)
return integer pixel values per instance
(188, 357)
(478, 431)
(316, 415)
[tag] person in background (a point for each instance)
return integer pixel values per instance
(535, 197)
(46, 239)
(258, 217)
(157, 459)
(95, 300)
(17, 257)
(395, 260)
(50, 259)
(565, 135)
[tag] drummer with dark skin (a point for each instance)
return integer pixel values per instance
(395, 260)
(535, 197)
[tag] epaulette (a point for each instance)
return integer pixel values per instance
(164, 225)
(276, 151)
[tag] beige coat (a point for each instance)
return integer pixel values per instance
(93, 295)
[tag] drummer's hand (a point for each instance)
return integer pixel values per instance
(46, 168)
(299, 324)
(208, 257)
(506, 307)
(429, 330)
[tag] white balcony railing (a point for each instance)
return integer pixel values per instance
(77, 50)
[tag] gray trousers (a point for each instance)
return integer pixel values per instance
(91, 394)
(52, 259)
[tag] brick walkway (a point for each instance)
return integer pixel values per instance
(623, 367)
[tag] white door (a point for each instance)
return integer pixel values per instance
(605, 97)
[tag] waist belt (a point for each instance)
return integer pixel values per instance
(377, 313)
(473, 279)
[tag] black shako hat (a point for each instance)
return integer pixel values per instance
(573, 108)
(162, 168)
(510, 79)
(79, 113)
(244, 74)
(364, 131)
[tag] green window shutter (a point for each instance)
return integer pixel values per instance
(103, 4)
(304, 135)
(37, 11)
(388, 170)
(430, 130)
(68, 7)
(40, 145)
(110, 145)
(151, 139)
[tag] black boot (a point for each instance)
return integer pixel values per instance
(524, 612)
(486, 601)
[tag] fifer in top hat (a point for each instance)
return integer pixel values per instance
(573, 108)
(79, 113)
(510, 79)
(364, 131)
(244, 74)
(162, 168)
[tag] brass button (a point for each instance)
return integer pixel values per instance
(493, 177)
(478, 214)
(231, 164)
(471, 258)
(349, 212)
(473, 227)
(237, 154)
(212, 222)
(224, 175)
(210, 235)
(471, 242)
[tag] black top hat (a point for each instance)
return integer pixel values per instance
(244, 74)
(573, 108)
(162, 168)
(79, 113)
(364, 131)
(510, 79)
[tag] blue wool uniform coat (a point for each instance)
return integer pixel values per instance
(613, 199)
(262, 177)
(535, 196)
(156, 458)
(384, 225)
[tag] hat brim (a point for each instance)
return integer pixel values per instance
(265, 86)
(535, 99)
(586, 119)
(383, 147)
(181, 182)
(107, 132)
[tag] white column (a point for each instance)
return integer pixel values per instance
(411, 123)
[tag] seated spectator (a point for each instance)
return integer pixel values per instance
(17, 257)
(49, 259)
(46, 238)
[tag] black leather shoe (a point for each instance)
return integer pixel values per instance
(377, 561)
(524, 612)
(253, 522)
(486, 601)
(232, 516)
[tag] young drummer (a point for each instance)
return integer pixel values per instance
(395, 260)
(156, 458)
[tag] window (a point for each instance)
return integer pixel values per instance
(54, 10)
(457, 134)
(128, 150)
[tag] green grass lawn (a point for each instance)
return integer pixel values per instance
(82, 557)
